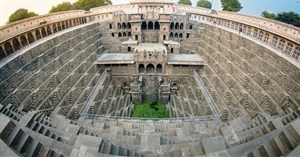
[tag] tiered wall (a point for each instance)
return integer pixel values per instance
(244, 77)
(54, 73)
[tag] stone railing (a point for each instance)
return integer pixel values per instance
(15, 28)
(96, 117)
(264, 23)
(284, 44)
(93, 94)
(211, 103)
(14, 36)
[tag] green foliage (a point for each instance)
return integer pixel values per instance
(185, 2)
(231, 5)
(289, 18)
(204, 4)
(88, 4)
(108, 2)
(64, 6)
(79, 4)
(268, 15)
(150, 109)
(20, 14)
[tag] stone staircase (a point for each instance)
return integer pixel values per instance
(22, 142)
(57, 80)
(283, 143)
(36, 134)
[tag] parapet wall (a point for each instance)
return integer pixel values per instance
(277, 27)
(24, 25)
(283, 37)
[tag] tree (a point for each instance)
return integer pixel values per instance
(289, 18)
(64, 6)
(20, 14)
(108, 2)
(268, 15)
(204, 4)
(88, 4)
(185, 2)
(231, 5)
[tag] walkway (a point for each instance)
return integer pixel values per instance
(212, 104)
(93, 94)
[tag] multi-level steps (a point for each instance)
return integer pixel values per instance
(21, 142)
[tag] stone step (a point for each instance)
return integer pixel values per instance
(131, 153)
(54, 154)
(196, 149)
(24, 141)
(31, 124)
(123, 152)
(265, 150)
(106, 148)
(269, 149)
(291, 139)
(14, 136)
(45, 151)
(277, 146)
(284, 139)
(36, 126)
(294, 130)
(114, 150)
(41, 129)
(33, 149)
(254, 153)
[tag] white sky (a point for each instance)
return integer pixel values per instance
(7, 7)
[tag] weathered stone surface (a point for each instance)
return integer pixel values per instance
(150, 142)
(252, 77)
(230, 136)
(214, 144)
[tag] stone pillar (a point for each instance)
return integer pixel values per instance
(34, 35)
(51, 28)
(252, 31)
(19, 40)
(12, 45)
(270, 39)
(164, 31)
(3, 48)
(56, 25)
(136, 92)
(136, 31)
(164, 92)
(46, 31)
(26, 37)
(41, 33)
